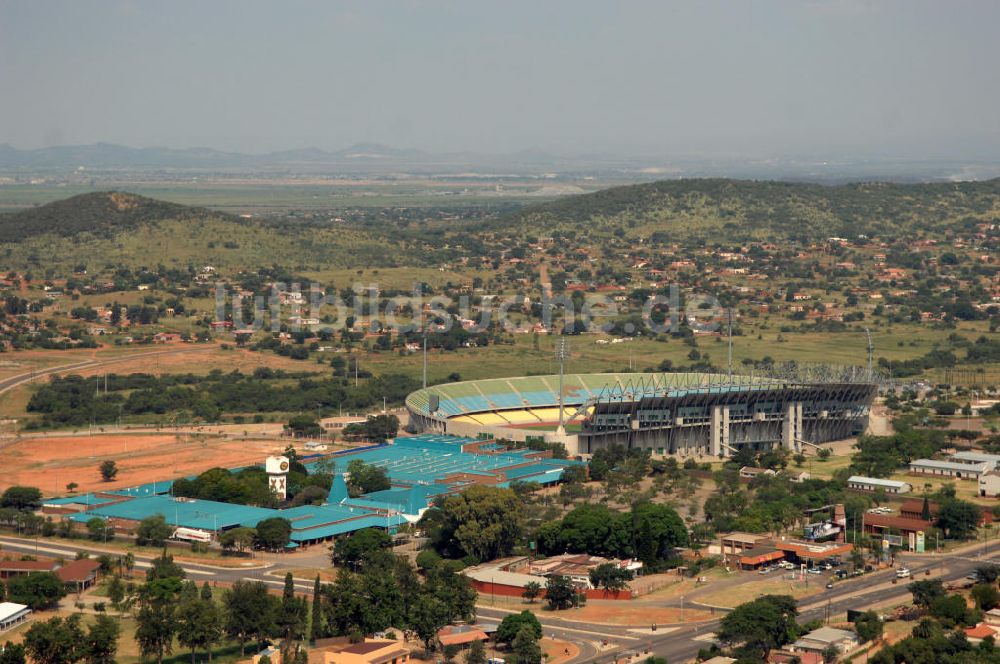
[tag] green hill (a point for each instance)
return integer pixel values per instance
(742, 209)
(109, 229)
(102, 213)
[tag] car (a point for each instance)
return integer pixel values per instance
(902, 573)
(814, 570)
(840, 574)
(829, 585)
(826, 566)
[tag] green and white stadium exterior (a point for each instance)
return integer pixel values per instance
(682, 414)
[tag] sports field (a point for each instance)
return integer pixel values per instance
(52, 462)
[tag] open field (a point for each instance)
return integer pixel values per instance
(51, 463)
(738, 594)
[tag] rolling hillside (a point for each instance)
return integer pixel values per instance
(104, 230)
(743, 209)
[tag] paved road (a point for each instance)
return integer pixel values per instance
(677, 644)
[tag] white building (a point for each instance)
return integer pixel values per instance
(12, 614)
(958, 470)
(989, 484)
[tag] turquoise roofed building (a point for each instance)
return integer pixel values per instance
(421, 469)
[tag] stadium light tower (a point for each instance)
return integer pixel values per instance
(730, 312)
(561, 355)
(871, 350)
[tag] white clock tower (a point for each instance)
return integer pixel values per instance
(277, 475)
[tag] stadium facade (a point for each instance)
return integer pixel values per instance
(682, 414)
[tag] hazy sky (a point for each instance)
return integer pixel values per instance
(755, 78)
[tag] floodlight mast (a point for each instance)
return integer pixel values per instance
(871, 350)
(561, 355)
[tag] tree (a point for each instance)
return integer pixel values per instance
(249, 612)
(428, 614)
(985, 596)
(55, 641)
(21, 498)
(959, 518)
(199, 625)
(291, 616)
(273, 534)
(868, 626)
(354, 550)
(38, 590)
(13, 653)
(482, 522)
(238, 539)
(153, 530)
(559, 592)
(831, 654)
(926, 591)
(316, 630)
(475, 655)
(108, 470)
(366, 478)
(532, 589)
(761, 624)
(102, 641)
(156, 620)
(610, 576)
(164, 567)
(988, 573)
(925, 510)
(98, 529)
(525, 647)
(512, 624)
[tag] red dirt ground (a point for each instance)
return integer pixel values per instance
(51, 463)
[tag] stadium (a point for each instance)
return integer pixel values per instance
(682, 414)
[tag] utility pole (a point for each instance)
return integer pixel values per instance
(561, 354)
(425, 359)
(730, 310)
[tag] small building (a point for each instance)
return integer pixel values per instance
(9, 568)
(166, 337)
(750, 472)
(799, 477)
(958, 470)
(989, 484)
(370, 651)
(976, 634)
(818, 640)
(860, 483)
(79, 574)
(734, 543)
(992, 617)
(460, 635)
(12, 614)
(878, 524)
(761, 557)
(975, 458)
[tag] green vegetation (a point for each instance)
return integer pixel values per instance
(668, 210)
(649, 532)
(75, 401)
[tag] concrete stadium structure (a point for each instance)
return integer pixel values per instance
(684, 414)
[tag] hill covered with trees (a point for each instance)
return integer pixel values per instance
(743, 209)
(101, 213)
(116, 229)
